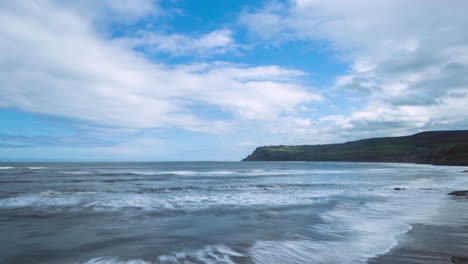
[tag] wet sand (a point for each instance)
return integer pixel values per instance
(442, 240)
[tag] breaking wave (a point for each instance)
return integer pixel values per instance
(208, 255)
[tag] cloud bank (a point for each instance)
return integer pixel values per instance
(115, 76)
(55, 62)
(409, 58)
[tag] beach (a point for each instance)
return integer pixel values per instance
(443, 239)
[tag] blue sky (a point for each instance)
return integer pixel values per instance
(166, 80)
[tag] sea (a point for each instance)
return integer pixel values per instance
(214, 212)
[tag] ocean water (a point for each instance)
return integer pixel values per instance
(214, 212)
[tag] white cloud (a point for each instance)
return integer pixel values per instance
(105, 11)
(409, 58)
(213, 43)
(54, 62)
(408, 62)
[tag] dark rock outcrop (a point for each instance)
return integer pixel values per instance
(433, 147)
(459, 260)
(459, 193)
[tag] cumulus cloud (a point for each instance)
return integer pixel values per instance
(213, 43)
(108, 11)
(408, 63)
(409, 58)
(55, 62)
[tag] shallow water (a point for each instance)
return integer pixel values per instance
(214, 212)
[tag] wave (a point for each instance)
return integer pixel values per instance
(111, 180)
(186, 201)
(208, 255)
(75, 192)
(343, 215)
(241, 187)
(359, 229)
(237, 173)
(78, 172)
(188, 172)
(317, 252)
(363, 229)
(277, 188)
(357, 233)
(253, 172)
(30, 168)
(115, 260)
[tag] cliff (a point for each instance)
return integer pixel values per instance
(432, 147)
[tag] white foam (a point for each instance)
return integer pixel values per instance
(77, 172)
(199, 201)
(38, 201)
(6, 168)
(188, 172)
(373, 226)
(188, 201)
(317, 252)
(219, 254)
(355, 234)
(208, 254)
(114, 260)
(240, 173)
(36, 168)
(294, 172)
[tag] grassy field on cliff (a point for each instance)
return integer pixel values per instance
(434, 147)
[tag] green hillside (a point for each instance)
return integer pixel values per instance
(433, 147)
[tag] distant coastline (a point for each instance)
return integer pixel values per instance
(431, 147)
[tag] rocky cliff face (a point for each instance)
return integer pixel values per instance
(432, 147)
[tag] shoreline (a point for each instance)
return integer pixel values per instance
(443, 239)
(462, 166)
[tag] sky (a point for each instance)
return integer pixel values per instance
(176, 80)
